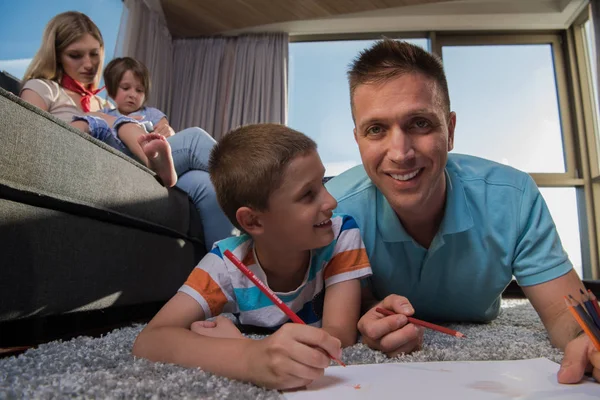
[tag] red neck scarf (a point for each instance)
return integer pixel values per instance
(86, 93)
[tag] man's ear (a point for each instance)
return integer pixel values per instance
(355, 137)
(249, 220)
(451, 127)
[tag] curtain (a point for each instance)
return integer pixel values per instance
(220, 83)
(144, 35)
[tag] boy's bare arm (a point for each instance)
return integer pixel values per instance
(341, 311)
(288, 358)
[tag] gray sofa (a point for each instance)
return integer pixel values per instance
(83, 227)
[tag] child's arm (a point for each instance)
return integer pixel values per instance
(341, 311)
(288, 358)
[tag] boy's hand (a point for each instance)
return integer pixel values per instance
(391, 334)
(580, 356)
(221, 327)
(292, 357)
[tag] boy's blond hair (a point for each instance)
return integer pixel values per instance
(62, 31)
(249, 164)
(116, 68)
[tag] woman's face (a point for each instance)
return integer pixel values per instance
(81, 59)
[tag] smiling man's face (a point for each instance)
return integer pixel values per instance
(404, 134)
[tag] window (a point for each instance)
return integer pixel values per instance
(507, 105)
(22, 27)
(319, 99)
(562, 203)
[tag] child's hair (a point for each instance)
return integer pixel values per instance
(116, 68)
(60, 32)
(249, 163)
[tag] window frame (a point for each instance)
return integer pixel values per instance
(571, 176)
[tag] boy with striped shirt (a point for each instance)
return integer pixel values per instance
(268, 180)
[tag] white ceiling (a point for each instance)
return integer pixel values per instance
(458, 15)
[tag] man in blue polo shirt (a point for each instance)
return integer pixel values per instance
(447, 232)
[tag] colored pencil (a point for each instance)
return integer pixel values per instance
(425, 324)
(585, 317)
(591, 310)
(582, 324)
(270, 294)
(594, 301)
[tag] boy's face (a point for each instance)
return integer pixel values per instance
(299, 214)
(130, 94)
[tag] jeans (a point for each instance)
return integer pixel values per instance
(190, 149)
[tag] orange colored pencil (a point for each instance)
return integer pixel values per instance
(425, 324)
(582, 324)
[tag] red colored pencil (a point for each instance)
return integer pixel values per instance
(426, 324)
(270, 294)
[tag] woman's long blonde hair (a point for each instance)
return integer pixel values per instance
(62, 30)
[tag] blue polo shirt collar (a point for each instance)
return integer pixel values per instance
(457, 216)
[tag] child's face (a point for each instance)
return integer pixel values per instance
(130, 94)
(300, 210)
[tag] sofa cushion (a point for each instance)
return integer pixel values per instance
(56, 262)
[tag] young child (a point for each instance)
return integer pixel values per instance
(268, 180)
(127, 82)
(130, 129)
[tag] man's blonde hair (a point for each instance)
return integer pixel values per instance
(62, 31)
(249, 164)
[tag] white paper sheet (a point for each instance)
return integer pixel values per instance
(465, 380)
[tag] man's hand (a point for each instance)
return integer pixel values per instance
(391, 335)
(580, 356)
(292, 357)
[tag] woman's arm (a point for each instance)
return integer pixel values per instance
(31, 96)
(291, 357)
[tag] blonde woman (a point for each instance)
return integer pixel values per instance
(63, 79)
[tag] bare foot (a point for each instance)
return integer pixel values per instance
(157, 150)
(221, 327)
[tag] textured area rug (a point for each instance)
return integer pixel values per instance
(103, 367)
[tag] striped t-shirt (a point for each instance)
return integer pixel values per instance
(219, 286)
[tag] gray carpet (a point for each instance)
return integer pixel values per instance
(104, 367)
